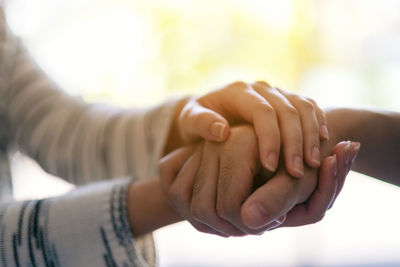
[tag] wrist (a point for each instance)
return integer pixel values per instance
(147, 207)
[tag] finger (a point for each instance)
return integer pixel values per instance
(204, 194)
(201, 227)
(310, 128)
(350, 158)
(172, 163)
(243, 104)
(270, 201)
(256, 109)
(347, 153)
(315, 208)
(197, 122)
(320, 114)
(289, 126)
(235, 182)
(276, 224)
(180, 192)
(322, 121)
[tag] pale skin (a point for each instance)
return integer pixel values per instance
(241, 102)
(280, 119)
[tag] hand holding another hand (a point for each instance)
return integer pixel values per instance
(280, 119)
(222, 188)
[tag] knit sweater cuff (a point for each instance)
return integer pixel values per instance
(87, 227)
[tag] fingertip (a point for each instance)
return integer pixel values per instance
(281, 219)
(334, 165)
(324, 133)
(254, 216)
(315, 157)
(217, 131)
(296, 168)
(270, 162)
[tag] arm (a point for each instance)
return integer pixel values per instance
(81, 143)
(86, 227)
(100, 141)
(75, 140)
(379, 134)
(147, 214)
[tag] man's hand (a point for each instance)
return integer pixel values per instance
(285, 202)
(214, 189)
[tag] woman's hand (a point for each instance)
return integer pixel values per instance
(280, 119)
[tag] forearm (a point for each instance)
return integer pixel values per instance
(379, 135)
(148, 209)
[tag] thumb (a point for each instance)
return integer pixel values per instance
(269, 202)
(197, 122)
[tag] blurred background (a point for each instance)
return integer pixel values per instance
(141, 52)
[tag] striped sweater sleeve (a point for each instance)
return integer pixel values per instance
(78, 141)
(84, 144)
(86, 227)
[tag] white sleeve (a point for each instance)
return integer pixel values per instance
(77, 141)
(87, 227)
(82, 143)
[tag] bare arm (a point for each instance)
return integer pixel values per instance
(148, 210)
(379, 134)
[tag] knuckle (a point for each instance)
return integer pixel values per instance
(239, 85)
(263, 84)
(290, 111)
(311, 100)
(264, 109)
(307, 105)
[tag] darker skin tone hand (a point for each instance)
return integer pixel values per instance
(223, 189)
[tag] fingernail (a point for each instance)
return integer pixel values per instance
(298, 166)
(217, 130)
(357, 147)
(273, 226)
(346, 152)
(334, 165)
(271, 162)
(315, 155)
(281, 219)
(324, 132)
(257, 216)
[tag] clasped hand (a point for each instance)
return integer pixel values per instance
(229, 188)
